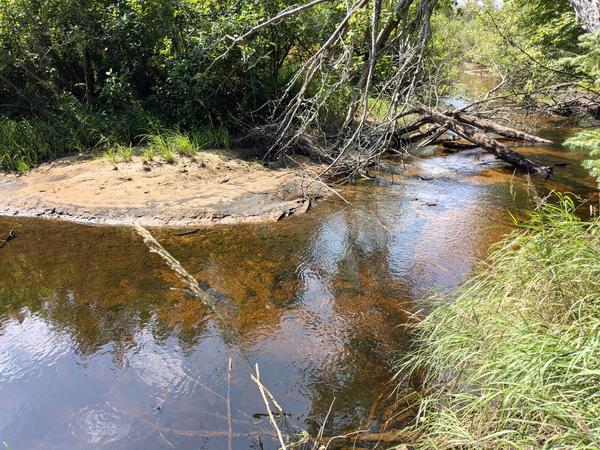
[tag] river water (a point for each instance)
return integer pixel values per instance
(96, 350)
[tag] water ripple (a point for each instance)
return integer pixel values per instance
(29, 347)
(100, 424)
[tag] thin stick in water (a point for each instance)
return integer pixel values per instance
(262, 390)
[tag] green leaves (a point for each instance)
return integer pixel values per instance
(588, 141)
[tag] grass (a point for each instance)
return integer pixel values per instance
(28, 141)
(25, 143)
(513, 361)
(167, 144)
(119, 153)
(207, 137)
(148, 154)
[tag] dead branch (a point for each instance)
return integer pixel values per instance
(493, 127)
(262, 389)
(475, 135)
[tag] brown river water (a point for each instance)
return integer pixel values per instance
(97, 352)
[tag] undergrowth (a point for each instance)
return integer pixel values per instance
(588, 141)
(513, 360)
(27, 142)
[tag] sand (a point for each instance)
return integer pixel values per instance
(211, 188)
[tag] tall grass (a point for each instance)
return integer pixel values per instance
(513, 361)
(26, 142)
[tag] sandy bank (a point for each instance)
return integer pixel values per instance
(211, 188)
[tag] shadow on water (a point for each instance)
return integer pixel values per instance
(97, 352)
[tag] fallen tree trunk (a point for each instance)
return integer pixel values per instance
(493, 127)
(498, 149)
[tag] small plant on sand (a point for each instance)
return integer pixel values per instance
(159, 144)
(513, 361)
(148, 154)
(119, 153)
(168, 144)
(168, 155)
(182, 144)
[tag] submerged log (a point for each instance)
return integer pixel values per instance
(388, 437)
(475, 135)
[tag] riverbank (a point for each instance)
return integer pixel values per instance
(513, 359)
(210, 188)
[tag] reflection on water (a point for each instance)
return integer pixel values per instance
(97, 352)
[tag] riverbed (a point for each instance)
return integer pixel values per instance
(97, 351)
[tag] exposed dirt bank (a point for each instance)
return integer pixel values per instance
(211, 188)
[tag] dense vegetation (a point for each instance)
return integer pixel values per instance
(75, 76)
(78, 76)
(514, 358)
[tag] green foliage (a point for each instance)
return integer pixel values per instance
(119, 153)
(588, 61)
(514, 360)
(158, 54)
(112, 65)
(588, 141)
(521, 39)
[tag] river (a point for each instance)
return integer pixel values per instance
(96, 350)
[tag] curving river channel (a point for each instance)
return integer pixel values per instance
(96, 350)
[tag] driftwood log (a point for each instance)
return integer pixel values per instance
(474, 129)
(493, 127)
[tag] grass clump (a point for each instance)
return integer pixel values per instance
(207, 137)
(514, 360)
(119, 153)
(167, 144)
(148, 154)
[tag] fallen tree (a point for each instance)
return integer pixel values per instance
(472, 129)
(372, 63)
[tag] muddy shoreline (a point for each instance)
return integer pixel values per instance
(215, 188)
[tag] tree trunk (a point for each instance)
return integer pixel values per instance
(588, 12)
(500, 130)
(498, 149)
